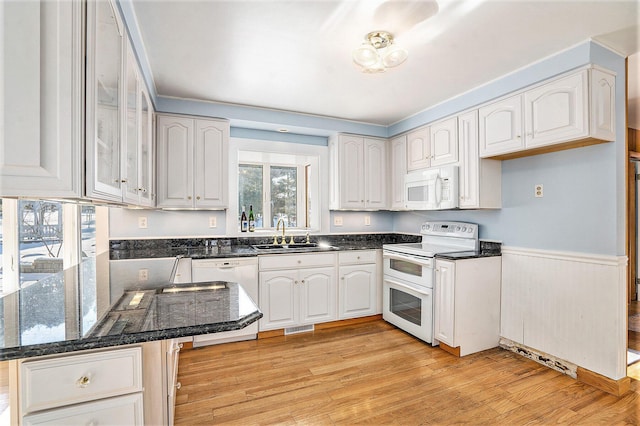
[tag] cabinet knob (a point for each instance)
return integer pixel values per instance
(142, 190)
(342, 278)
(299, 261)
(302, 281)
(178, 385)
(83, 381)
(518, 136)
(295, 282)
(197, 197)
(189, 197)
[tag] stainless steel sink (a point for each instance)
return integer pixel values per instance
(292, 247)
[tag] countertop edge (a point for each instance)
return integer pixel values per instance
(63, 347)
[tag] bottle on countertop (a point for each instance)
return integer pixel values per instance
(244, 224)
(252, 220)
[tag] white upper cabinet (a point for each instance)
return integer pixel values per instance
(398, 170)
(480, 180)
(119, 114)
(418, 149)
(375, 177)
(603, 105)
(557, 111)
(572, 111)
(211, 163)
(358, 175)
(42, 102)
(501, 127)
(444, 142)
(104, 101)
(192, 162)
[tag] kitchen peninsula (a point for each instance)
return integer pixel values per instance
(123, 363)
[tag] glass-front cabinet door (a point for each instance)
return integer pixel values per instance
(104, 100)
(131, 144)
(146, 187)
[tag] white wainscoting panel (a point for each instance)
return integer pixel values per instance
(569, 305)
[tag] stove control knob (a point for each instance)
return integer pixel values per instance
(457, 229)
(464, 229)
(470, 230)
(427, 227)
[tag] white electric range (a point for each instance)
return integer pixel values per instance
(409, 273)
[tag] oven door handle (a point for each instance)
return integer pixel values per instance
(412, 259)
(408, 287)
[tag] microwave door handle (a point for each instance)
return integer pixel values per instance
(438, 190)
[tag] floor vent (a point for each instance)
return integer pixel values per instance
(299, 329)
(564, 367)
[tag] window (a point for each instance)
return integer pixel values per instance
(40, 239)
(279, 187)
(281, 180)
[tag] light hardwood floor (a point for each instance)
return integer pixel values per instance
(374, 373)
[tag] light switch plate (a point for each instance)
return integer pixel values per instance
(213, 222)
(142, 222)
(367, 220)
(337, 220)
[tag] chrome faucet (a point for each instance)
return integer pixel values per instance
(284, 238)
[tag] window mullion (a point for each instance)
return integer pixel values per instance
(266, 202)
(10, 246)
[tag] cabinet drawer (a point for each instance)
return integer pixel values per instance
(72, 379)
(122, 410)
(358, 256)
(292, 261)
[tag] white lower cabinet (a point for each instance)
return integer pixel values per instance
(467, 303)
(303, 293)
(121, 410)
(103, 386)
(359, 284)
(172, 348)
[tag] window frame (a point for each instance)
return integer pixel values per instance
(318, 156)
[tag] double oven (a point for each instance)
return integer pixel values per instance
(409, 274)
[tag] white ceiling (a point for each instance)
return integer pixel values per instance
(295, 55)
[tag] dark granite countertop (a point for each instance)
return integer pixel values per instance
(72, 311)
(206, 248)
(487, 249)
(472, 254)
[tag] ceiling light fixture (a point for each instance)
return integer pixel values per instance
(377, 53)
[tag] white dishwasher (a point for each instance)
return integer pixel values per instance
(244, 271)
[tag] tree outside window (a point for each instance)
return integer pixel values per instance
(284, 195)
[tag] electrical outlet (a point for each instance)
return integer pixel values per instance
(337, 220)
(539, 190)
(143, 275)
(367, 220)
(142, 222)
(213, 222)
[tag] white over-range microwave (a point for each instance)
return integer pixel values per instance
(432, 189)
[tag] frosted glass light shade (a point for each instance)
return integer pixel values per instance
(365, 55)
(394, 56)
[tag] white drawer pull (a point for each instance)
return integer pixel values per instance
(178, 385)
(83, 381)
